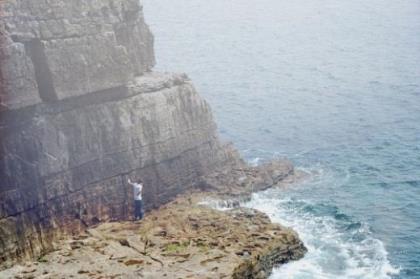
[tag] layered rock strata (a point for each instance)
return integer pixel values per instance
(81, 112)
(65, 164)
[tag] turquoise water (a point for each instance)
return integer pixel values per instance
(332, 85)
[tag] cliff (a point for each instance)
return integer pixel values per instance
(81, 112)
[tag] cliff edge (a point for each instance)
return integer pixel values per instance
(81, 111)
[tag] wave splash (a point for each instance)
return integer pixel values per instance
(338, 247)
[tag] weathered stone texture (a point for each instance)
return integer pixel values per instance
(81, 112)
(68, 164)
(70, 48)
(182, 239)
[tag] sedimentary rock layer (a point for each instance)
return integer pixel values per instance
(66, 164)
(81, 112)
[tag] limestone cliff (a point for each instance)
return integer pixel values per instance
(81, 112)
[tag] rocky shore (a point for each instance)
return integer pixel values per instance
(81, 110)
(186, 238)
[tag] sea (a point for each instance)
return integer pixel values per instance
(333, 85)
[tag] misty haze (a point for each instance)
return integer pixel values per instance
(210, 139)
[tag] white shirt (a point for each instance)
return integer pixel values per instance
(137, 187)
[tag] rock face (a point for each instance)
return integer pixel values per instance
(81, 112)
(52, 50)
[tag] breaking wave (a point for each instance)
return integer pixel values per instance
(338, 246)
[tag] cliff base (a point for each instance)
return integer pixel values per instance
(186, 238)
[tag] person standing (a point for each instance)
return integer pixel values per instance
(138, 201)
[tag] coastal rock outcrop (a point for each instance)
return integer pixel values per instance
(66, 164)
(81, 112)
(182, 239)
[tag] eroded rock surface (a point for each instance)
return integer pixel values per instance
(180, 240)
(80, 112)
(65, 165)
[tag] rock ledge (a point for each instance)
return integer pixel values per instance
(180, 240)
(186, 238)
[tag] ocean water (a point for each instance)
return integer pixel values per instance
(334, 85)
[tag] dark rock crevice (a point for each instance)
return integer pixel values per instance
(43, 75)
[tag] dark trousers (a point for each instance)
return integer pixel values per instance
(138, 209)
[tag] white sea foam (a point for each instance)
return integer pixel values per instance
(216, 204)
(332, 253)
(255, 162)
(333, 250)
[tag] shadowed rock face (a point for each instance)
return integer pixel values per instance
(81, 112)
